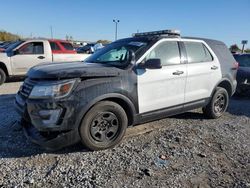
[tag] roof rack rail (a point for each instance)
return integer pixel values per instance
(169, 32)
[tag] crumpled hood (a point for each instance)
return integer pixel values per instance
(72, 70)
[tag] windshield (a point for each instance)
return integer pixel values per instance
(116, 53)
(14, 45)
(5, 46)
(243, 60)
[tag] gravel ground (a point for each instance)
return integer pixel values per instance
(187, 150)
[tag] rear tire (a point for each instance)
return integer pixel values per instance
(218, 104)
(2, 76)
(103, 126)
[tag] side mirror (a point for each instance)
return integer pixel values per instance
(15, 52)
(152, 64)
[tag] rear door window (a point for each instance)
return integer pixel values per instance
(67, 46)
(197, 52)
(54, 46)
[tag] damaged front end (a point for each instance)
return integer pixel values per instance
(48, 122)
(53, 96)
(50, 140)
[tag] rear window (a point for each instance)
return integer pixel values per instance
(197, 52)
(67, 46)
(243, 60)
(54, 46)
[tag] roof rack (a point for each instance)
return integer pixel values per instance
(169, 32)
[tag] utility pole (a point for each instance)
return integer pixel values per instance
(116, 25)
(51, 32)
(243, 42)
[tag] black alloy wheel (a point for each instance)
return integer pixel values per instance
(103, 126)
(218, 104)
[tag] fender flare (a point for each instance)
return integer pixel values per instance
(104, 97)
(219, 82)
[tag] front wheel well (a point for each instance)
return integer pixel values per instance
(227, 86)
(125, 106)
(4, 68)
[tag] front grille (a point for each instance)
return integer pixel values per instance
(26, 88)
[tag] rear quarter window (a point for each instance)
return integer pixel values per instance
(54, 46)
(197, 52)
(67, 46)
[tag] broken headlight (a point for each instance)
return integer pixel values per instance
(54, 90)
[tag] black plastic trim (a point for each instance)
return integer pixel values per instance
(60, 141)
(178, 109)
(183, 52)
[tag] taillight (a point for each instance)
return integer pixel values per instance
(235, 66)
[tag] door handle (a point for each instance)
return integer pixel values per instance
(40, 57)
(214, 67)
(178, 73)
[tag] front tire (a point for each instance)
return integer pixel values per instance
(218, 104)
(103, 126)
(2, 76)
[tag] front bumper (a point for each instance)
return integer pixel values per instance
(55, 135)
(51, 141)
(48, 115)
